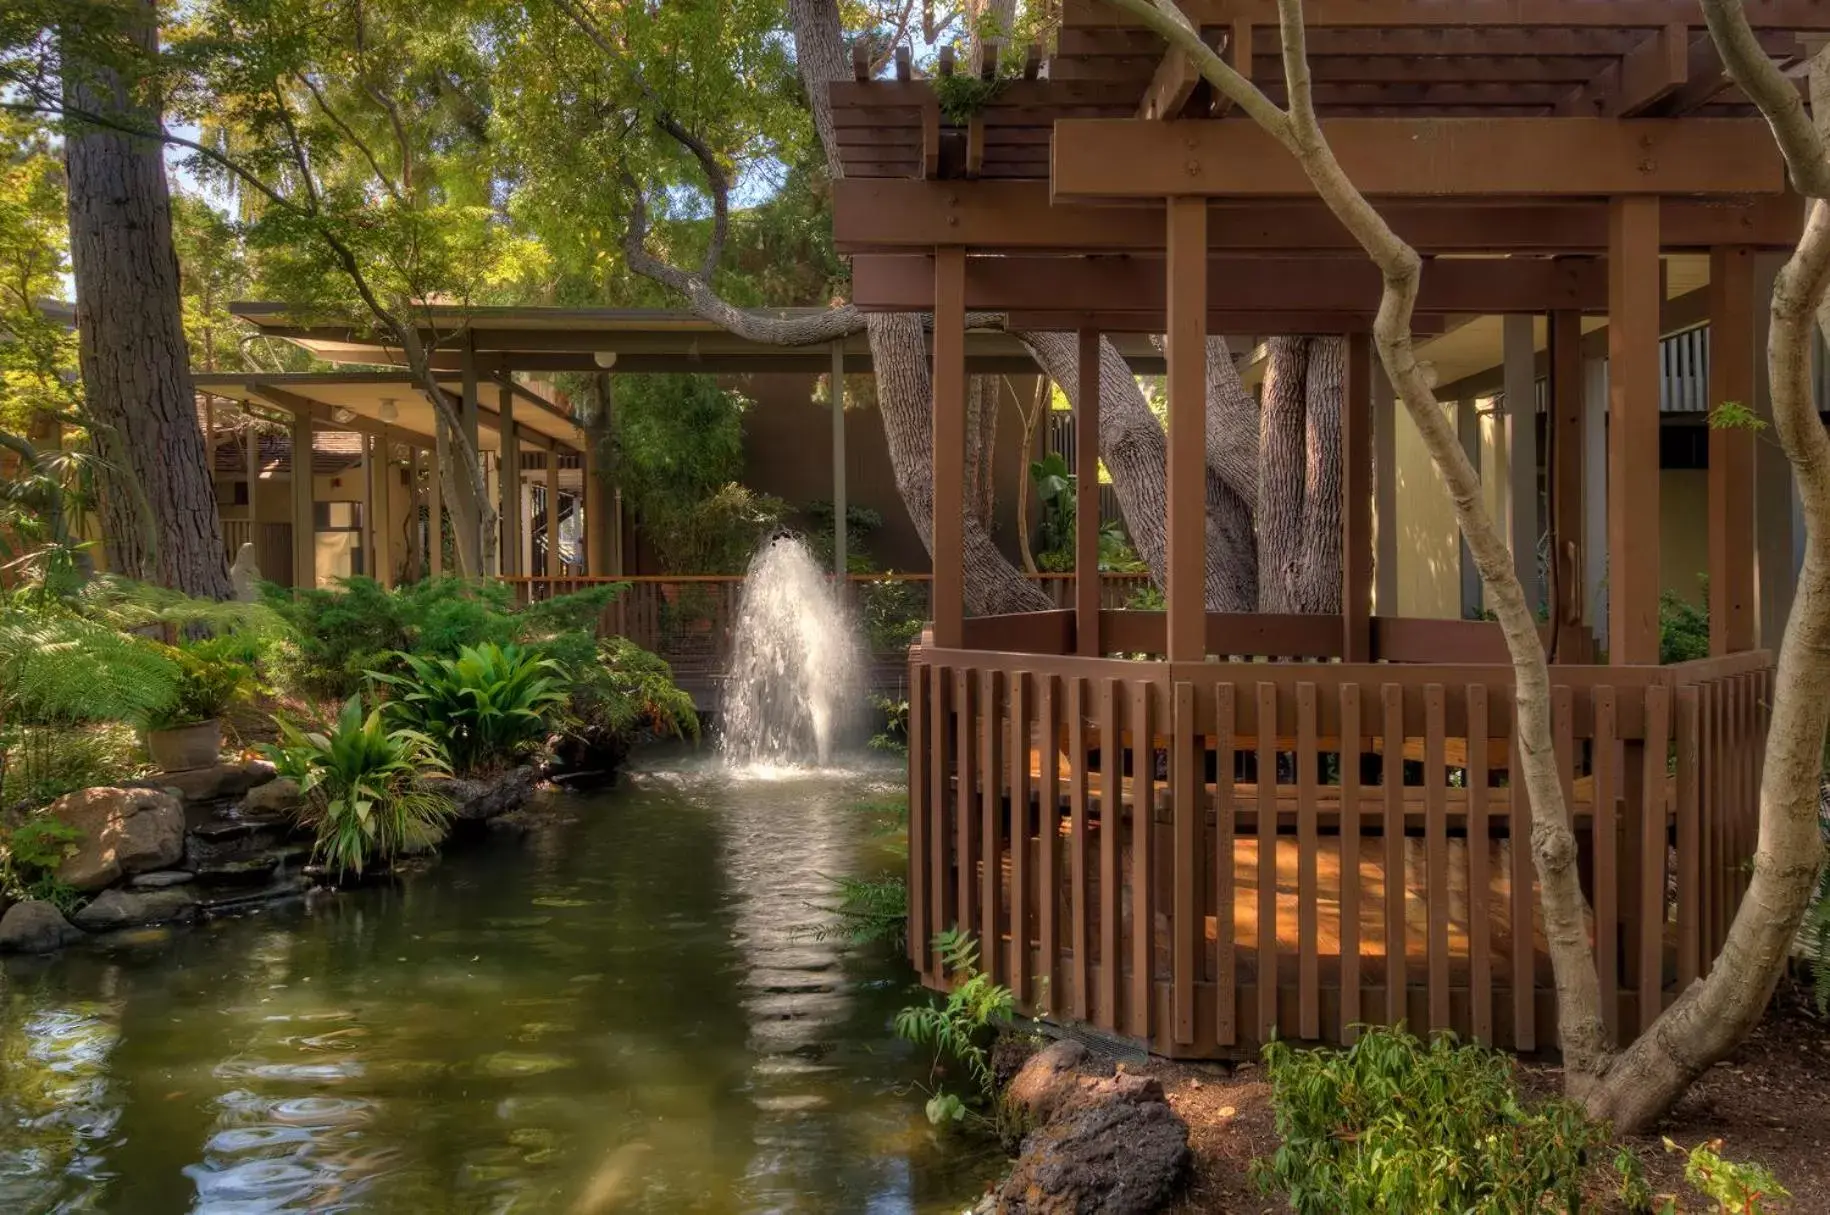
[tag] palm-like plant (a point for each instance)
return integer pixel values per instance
(488, 706)
(359, 781)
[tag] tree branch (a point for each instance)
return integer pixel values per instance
(349, 133)
(1767, 87)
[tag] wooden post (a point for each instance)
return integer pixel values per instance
(1633, 397)
(552, 512)
(254, 473)
(365, 471)
(462, 490)
(1521, 376)
(1185, 351)
(949, 537)
(1086, 497)
(514, 529)
(382, 527)
(1566, 436)
(1356, 502)
(304, 524)
(1595, 497)
(1732, 621)
(1385, 492)
(840, 557)
(591, 528)
(416, 543)
(606, 520)
(435, 492)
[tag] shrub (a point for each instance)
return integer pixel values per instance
(483, 709)
(894, 737)
(358, 779)
(1396, 1124)
(45, 762)
(208, 685)
(29, 856)
(1734, 1188)
(894, 611)
(627, 692)
(960, 1027)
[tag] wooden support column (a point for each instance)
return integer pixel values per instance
(1185, 353)
(1086, 497)
(1595, 497)
(949, 537)
(604, 512)
(1733, 624)
(1385, 492)
(461, 488)
(435, 491)
(1521, 421)
(552, 512)
(594, 526)
(416, 542)
(1357, 502)
(840, 557)
(365, 472)
(1633, 398)
(383, 527)
(1565, 436)
(304, 524)
(254, 473)
(514, 527)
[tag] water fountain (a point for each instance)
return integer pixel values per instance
(795, 686)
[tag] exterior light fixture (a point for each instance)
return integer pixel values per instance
(605, 359)
(388, 411)
(342, 416)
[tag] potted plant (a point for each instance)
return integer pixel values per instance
(186, 731)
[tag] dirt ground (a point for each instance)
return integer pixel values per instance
(1769, 1103)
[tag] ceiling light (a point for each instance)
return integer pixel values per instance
(388, 412)
(605, 359)
(342, 416)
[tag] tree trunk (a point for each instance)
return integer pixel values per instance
(158, 498)
(1032, 421)
(1282, 476)
(1318, 573)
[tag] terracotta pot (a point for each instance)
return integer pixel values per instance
(182, 748)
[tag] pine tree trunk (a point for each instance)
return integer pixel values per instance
(158, 500)
(1282, 475)
(1318, 580)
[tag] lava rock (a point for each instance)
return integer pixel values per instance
(160, 880)
(35, 926)
(277, 798)
(126, 909)
(1113, 1147)
(1046, 1082)
(479, 800)
(124, 831)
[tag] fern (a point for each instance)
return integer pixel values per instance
(960, 1027)
(867, 911)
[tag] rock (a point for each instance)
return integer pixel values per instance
(161, 880)
(277, 798)
(127, 909)
(35, 926)
(478, 800)
(1047, 1080)
(1113, 1147)
(125, 831)
(229, 901)
(218, 781)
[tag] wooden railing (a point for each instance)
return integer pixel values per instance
(1199, 855)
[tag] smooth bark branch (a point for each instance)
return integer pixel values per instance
(1583, 1033)
(1715, 1014)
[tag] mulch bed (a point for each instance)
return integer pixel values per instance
(1769, 1102)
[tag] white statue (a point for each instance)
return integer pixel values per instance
(245, 575)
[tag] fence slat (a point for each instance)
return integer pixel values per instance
(1689, 838)
(1143, 858)
(965, 819)
(1352, 747)
(1111, 815)
(1480, 877)
(919, 811)
(1226, 922)
(1016, 748)
(1607, 860)
(1080, 920)
(1186, 809)
(943, 883)
(1308, 844)
(991, 851)
(1436, 843)
(1397, 948)
(1267, 861)
(1048, 832)
(1653, 857)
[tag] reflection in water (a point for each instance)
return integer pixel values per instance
(614, 1014)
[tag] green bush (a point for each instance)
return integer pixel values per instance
(484, 709)
(1733, 1187)
(628, 692)
(1394, 1124)
(894, 611)
(42, 763)
(1683, 628)
(358, 779)
(29, 856)
(959, 1028)
(208, 685)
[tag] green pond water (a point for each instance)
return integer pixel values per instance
(619, 1012)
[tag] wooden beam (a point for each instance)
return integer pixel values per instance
(1185, 349)
(1705, 78)
(1068, 320)
(1170, 88)
(879, 215)
(1733, 621)
(1357, 502)
(1095, 158)
(1633, 396)
(1637, 81)
(948, 527)
(1427, 14)
(1086, 500)
(904, 283)
(1238, 55)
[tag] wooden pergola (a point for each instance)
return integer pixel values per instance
(1253, 824)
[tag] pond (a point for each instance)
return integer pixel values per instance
(621, 1011)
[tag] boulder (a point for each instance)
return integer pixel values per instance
(1113, 1147)
(35, 926)
(218, 781)
(1046, 1082)
(277, 798)
(124, 831)
(483, 799)
(161, 880)
(127, 908)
